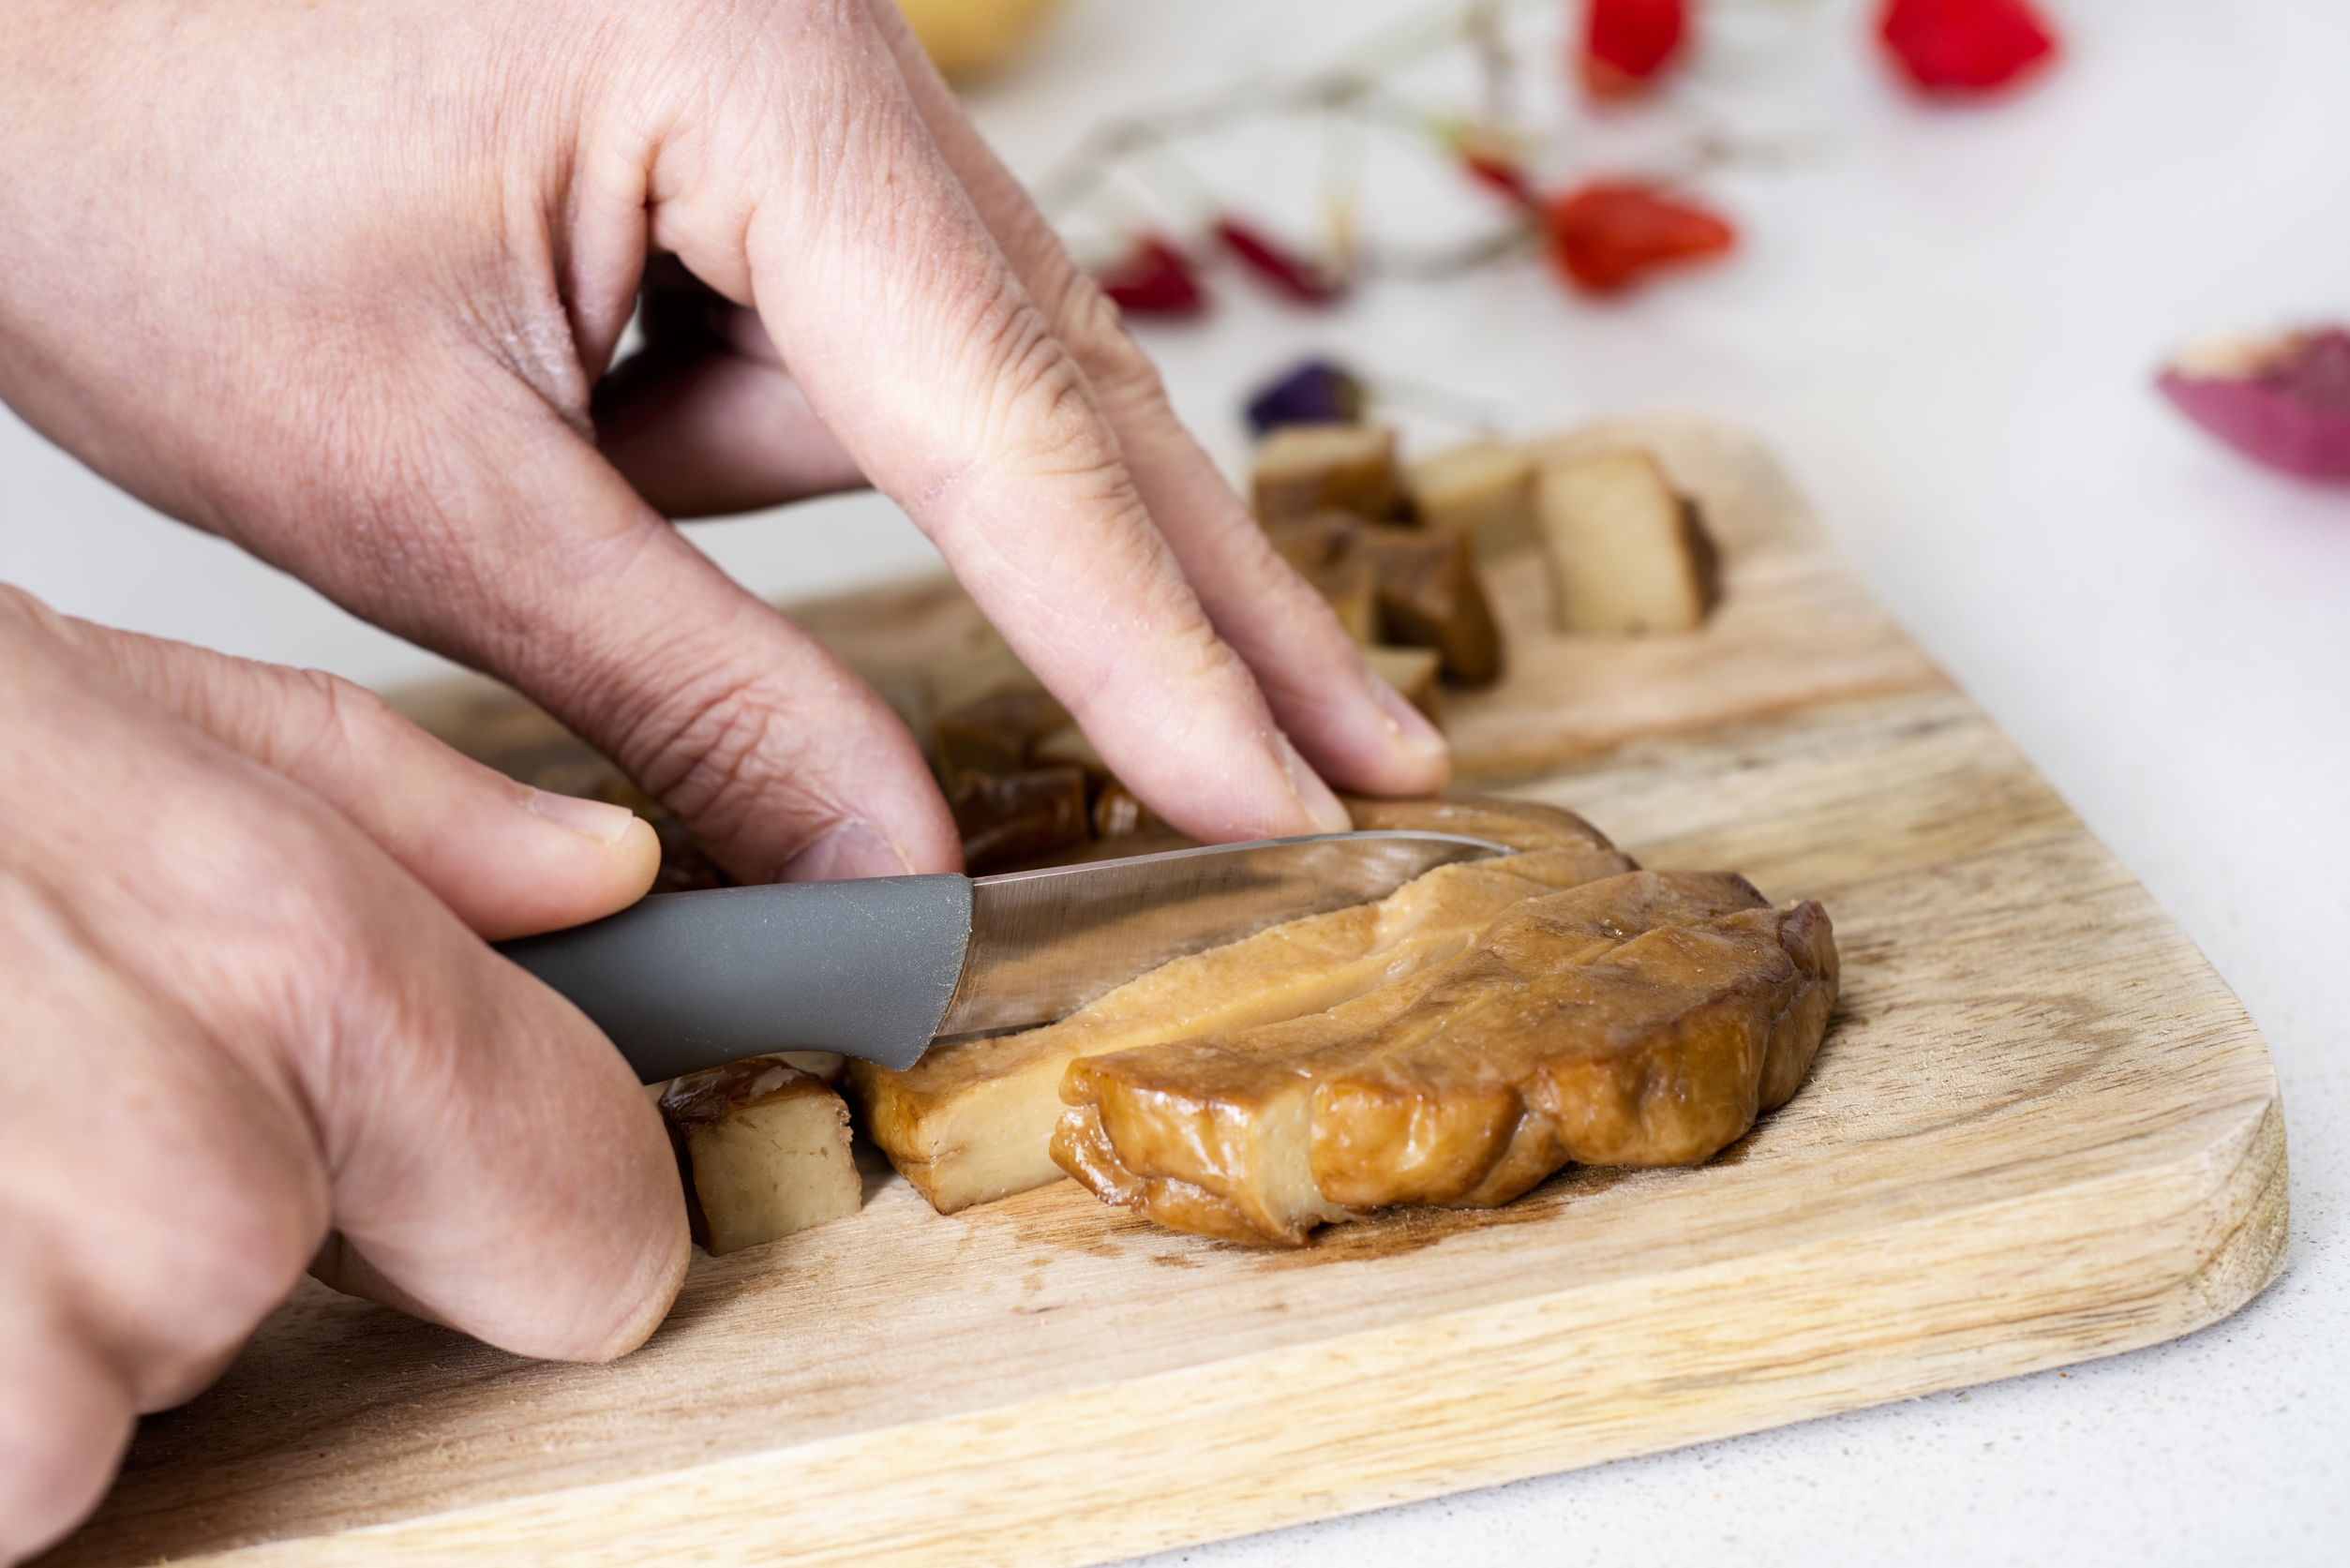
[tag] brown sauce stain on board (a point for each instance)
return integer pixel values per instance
(1393, 1232)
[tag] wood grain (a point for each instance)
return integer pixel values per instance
(2041, 1131)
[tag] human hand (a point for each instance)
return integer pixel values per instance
(243, 1007)
(340, 284)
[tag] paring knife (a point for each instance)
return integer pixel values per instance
(880, 967)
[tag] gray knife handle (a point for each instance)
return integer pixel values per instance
(682, 981)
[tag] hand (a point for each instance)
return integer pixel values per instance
(340, 283)
(242, 1007)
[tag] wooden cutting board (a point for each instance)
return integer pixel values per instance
(2041, 1131)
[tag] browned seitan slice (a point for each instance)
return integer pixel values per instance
(1642, 1019)
(973, 1122)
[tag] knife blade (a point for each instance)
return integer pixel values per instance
(882, 968)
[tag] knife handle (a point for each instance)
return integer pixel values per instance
(682, 981)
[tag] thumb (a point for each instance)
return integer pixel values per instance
(500, 1171)
(507, 858)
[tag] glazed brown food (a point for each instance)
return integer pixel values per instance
(686, 866)
(994, 734)
(1642, 1019)
(1429, 597)
(1005, 819)
(764, 1150)
(1349, 586)
(1119, 812)
(1301, 468)
(1424, 586)
(974, 1122)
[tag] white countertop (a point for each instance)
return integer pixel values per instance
(1946, 321)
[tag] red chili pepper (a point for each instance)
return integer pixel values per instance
(1628, 43)
(1608, 235)
(1288, 272)
(1497, 173)
(1966, 47)
(1154, 278)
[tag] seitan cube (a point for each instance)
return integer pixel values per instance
(1303, 468)
(764, 1150)
(1626, 552)
(1483, 488)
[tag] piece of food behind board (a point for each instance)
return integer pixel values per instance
(1642, 1019)
(1628, 552)
(973, 1121)
(2282, 399)
(763, 1148)
(968, 38)
(1312, 392)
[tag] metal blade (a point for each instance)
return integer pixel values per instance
(1045, 943)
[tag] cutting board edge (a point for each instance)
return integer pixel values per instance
(2219, 1212)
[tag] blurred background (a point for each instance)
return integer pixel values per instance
(1947, 317)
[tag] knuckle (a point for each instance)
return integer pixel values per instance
(752, 755)
(298, 938)
(302, 722)
(1122, 375)
(346, 716)
(1039, 414)
(34, 613)
(712, 753)
(289, 947)
(355, 996)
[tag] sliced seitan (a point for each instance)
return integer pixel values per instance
(973, 1122)
(1642, 1019)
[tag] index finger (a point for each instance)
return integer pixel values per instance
(915, 341)
(1354, 726)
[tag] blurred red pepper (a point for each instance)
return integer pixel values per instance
(1283, 268)
(1153, 278)
(1497, 173)
(1628, 43)
(1608, 235)
(1966, 47)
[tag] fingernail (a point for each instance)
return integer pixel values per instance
(1407, 724)
(1319, 805)
(600, 820)
(851, 849)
